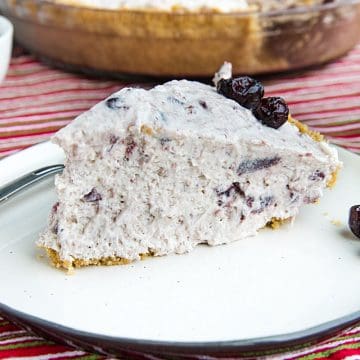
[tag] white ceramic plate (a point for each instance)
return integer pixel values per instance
(280, 282)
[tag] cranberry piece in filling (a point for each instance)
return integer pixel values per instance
(92, 196)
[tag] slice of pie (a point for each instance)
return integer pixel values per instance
(155, 172)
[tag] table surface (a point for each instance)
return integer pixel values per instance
(37, 100)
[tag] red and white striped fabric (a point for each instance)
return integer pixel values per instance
(16, 343)
(327, 99)
(36, 101)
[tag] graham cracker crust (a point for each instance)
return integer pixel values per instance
(316, 136)
(304, 129)
(332, 181)
(77, 263)
(275, 223)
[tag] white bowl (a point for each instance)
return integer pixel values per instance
(6, 37)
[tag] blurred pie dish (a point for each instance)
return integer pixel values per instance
(183, 38)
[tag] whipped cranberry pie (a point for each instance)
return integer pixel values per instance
(155, 172)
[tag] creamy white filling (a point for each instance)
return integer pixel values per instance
(184, 109)
(163, 170)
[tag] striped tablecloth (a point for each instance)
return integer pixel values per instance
(36, 101)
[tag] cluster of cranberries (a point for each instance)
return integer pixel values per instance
(248, 92)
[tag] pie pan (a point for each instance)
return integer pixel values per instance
(191, 44)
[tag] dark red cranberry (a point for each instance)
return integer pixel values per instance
(310, 200)
(249, 166)
(113, 139)
(354, 220)
(246, 91)
(55, 228)
(235, 186)
(250, 201)
(317, 175)
(272, 112)
(130, 147)
(92, 196)
(113, 103)
(238, 189)
(55, 207)
(203, 104)
(190, 109)
(116, 103)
